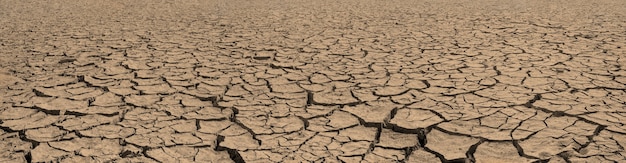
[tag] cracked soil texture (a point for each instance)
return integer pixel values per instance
(313, 81)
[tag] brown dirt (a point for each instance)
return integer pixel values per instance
(312, 81)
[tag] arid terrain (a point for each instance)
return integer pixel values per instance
(415, 81)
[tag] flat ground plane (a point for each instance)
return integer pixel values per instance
(313, 81)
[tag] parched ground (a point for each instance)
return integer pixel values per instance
(313, 81)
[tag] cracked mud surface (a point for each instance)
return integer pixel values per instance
(322, 81)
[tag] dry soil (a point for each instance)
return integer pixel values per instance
(313, 81)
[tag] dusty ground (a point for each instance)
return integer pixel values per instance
(320, 81)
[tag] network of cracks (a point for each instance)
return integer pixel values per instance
(366, 89)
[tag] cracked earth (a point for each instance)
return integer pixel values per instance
(321, 81)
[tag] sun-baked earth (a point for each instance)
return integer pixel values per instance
(313, 81)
